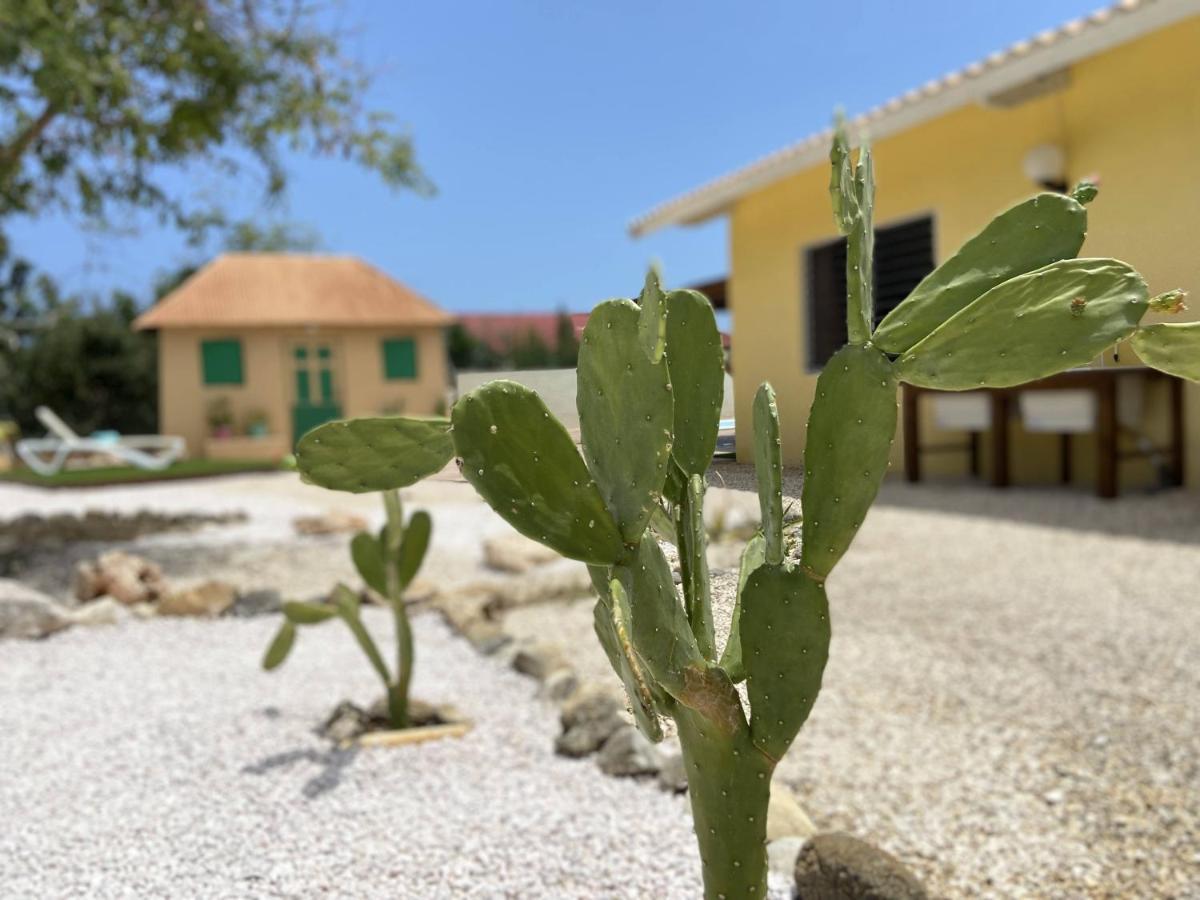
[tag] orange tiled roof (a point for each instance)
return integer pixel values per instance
(281, 289)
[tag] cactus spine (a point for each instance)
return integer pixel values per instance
(649, 396)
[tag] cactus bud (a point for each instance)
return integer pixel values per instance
(1170, 302)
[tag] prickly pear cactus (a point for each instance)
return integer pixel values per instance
(1012, 305)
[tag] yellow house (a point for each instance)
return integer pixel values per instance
(256, 348)
(1114, 96)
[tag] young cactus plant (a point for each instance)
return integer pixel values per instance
(1011, 306)
(372, 455)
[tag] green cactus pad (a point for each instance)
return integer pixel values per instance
(1171, 348)
(842, 192)
(299, 613)
(663, 638)
(652, 318)
(367, 552)
(624, 403)
(754, 554)
(281, 646)
(347, 604)
(768, 468)
(693, 549)
(850, 430)
(521, 460)
(413, 546)
(729, 784)
(611, 623)
(1046, 321)
(1032, 234)
(785, 636)
(860, 253)
(374, 454)
(696, 361)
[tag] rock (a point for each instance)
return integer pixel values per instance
(486, 636)
(627, 752)
(513, 552)
(27, 613)
(560, 684)
(672, 773)
(105, 611)
(34, 530)
(841, 867)
(785, 816)
(144, 610)
(538, 660)
(262, 602)
(463, 604)
(333, 522)
(560, 582)
(127, 578)
(209, 599)
(345, 723)
(782, 853)
(588, 719)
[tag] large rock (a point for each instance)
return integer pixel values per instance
(627, 752)
(588, 719)
(672, 771)
(785, 816)
(486, 636)
(126, 578)
(334, 522)
(564, 581)
(207, 599)
(26, 613)
(841, 867)
(515, 553)
(262, 602)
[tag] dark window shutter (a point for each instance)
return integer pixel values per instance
(903, 256)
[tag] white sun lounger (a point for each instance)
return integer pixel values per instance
(48, 455)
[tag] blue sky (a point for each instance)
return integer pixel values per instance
(548, 124)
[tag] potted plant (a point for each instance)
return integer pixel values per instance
(219, 416)
(257, 425)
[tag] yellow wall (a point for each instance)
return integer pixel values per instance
(1132, 115)
(268, 377)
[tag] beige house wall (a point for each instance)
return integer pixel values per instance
(1127, 115)
(268, 377)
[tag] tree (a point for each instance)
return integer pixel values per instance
(98, 99)
(530, 351)
(566, 345)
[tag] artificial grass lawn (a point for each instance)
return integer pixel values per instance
(188, 468)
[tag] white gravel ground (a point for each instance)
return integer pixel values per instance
(156, 760)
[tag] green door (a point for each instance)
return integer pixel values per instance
(315, 397)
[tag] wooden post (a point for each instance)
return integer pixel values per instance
(1176, 413)
(1106, 437)
(1064, 458)
(1000, 405)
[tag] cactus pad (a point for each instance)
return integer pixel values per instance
(611, 623)
(625, 415)
(785, 633)
(367, 552)
(308, 613)
(1171, 348)
(1041, 230)
(281, 646)
(850, 431)
(693, 559)
(696, 361)
(521, 460)
(413, 547)
(374, 454)
(1029, 327)
(652, 318)
(768, 468)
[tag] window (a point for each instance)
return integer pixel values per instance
(903, 256)
(399, 358)
(221, 361)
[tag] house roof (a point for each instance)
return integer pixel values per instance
(251, 290)
(1038, 57)
(500, 330)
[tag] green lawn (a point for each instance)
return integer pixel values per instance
(188, 468)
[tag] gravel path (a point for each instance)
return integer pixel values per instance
(155, 760)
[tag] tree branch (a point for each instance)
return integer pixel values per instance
(11, 154)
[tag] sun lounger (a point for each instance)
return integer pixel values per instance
(49, 455)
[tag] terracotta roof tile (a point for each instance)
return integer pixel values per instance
(282, 289)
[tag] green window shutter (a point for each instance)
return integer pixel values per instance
(399, 358)
(222, 361)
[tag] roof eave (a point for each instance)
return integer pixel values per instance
(1022, 62)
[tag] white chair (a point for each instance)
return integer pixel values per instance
(48, 455)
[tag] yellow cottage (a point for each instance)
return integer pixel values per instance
(1115, 96)
(257, 348)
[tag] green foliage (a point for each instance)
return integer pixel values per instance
(386, 563)
(374, 454)
(659, 639)
(1174, 349)
(101, 99)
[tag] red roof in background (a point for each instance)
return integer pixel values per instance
(499, 330)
